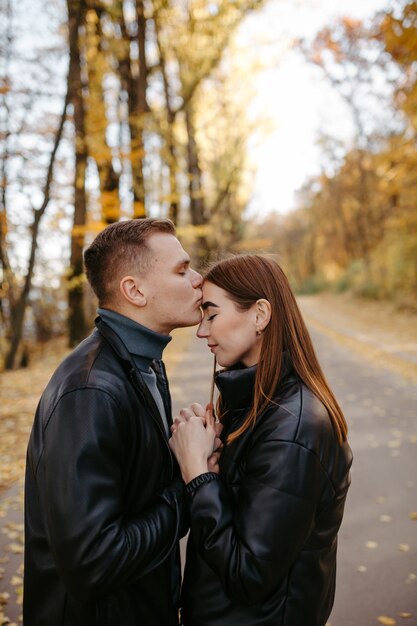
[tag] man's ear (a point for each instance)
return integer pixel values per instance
(130, 289)
(263, 314)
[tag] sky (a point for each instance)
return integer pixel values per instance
(293, 97)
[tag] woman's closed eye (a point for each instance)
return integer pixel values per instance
(211, 317)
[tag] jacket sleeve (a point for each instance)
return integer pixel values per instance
(96, 548)
(251, 543)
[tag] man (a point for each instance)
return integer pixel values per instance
(104, 500)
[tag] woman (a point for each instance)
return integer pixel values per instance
(262, 549)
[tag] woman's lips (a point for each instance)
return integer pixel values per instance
(212, 346)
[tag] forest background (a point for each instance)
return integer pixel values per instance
(116, 109)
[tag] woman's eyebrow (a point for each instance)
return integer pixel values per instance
(206, 304)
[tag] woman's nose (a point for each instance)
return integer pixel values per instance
(202, 330)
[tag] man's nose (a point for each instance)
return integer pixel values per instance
(196, 279)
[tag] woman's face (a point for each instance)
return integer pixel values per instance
(230, 332)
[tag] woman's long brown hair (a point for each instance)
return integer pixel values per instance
(246, 279)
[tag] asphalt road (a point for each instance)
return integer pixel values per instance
(377, 571)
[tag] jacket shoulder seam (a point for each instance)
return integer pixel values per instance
(81, 388)
(310, 451)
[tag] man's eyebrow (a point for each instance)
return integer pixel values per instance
(207, 303)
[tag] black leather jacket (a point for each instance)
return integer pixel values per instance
(262, 548)
(104, 504)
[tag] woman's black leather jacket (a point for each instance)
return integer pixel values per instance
(262, 548)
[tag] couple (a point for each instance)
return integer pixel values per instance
(112, 483)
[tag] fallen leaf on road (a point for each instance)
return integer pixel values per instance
(413, 515)
(12, 534)
(16, 526)
(380, 500)
(19, 595)
(406, 615)
(396, 433)
(371, 545)
(395, 443)
(16, 548)
(387, 621)
(4, 597)
(385, 518)
(4, 619)
(404, 547)
(362, 568)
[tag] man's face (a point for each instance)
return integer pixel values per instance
(171, 288)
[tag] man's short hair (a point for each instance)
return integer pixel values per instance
(119, 250)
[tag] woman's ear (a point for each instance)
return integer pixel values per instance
(263, 315)
(130, 290)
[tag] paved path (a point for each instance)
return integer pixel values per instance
(377, 572)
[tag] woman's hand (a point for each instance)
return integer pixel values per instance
(193, 441)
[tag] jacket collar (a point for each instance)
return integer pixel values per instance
(114, 340)
(143, 344)
(236, 385)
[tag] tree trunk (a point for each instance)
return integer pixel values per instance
(135, 87)
(169, 138)
(7, 278)
(76, 318)
(137, 116)
(96, 118)
(197, 203)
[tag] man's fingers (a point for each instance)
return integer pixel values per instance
(178, 420)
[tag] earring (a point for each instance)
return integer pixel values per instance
(259, 331)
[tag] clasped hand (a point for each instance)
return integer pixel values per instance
(195, 441)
